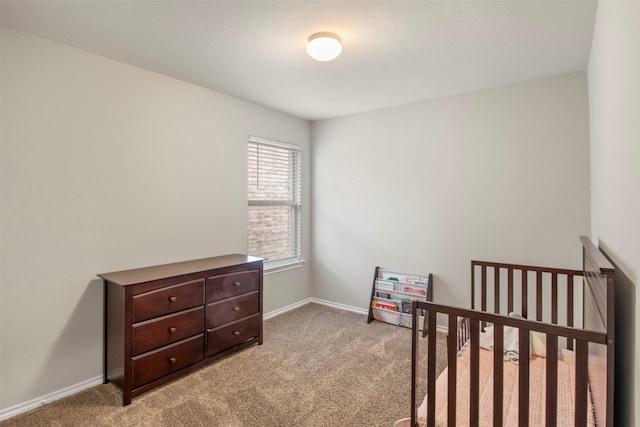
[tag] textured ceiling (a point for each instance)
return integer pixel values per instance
(395, 52)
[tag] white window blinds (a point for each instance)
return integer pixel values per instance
(274, 207)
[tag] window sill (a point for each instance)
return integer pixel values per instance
(277, 267)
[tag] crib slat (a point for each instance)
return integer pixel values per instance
(473, 285)
(525, 293)
(552, 381)
(414, 364)
(484, 293)
(431, 369)
(539, 296)
(474, 379)
(582, 359)
(523, 378)
(554, 298)
(510, 289)
(483, 297)
(452, 350)
(496, 290)
(498, 375)
(570, 307)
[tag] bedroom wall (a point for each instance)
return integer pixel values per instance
(497, 174)
(614, 105)
(108, 167)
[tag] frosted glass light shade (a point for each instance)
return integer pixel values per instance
(324, 46)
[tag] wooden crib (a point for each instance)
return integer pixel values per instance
(565, 379)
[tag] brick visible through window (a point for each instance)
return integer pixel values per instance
(274, 207)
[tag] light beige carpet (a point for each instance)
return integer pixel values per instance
(318, 366)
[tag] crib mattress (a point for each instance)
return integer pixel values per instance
(537, 384)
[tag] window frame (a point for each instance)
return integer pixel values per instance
(295, 202)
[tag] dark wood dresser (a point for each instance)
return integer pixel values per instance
(164, 321)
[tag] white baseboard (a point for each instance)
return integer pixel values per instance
(340, 306)
(315, 301)
(283, 310)
(50, 397)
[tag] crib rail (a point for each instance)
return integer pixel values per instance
(475, 319)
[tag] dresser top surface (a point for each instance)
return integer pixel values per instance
(157, 272)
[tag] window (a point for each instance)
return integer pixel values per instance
(274, 174)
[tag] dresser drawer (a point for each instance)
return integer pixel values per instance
(161, 362)
(229, 336)
(166, 330)
(229, 285)
(228, 310)
(168, 300)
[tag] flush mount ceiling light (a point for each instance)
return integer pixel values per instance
(324, 46)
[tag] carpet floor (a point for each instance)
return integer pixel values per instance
(318, 366)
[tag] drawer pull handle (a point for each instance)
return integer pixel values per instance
(173, 299)
(236, 333)
(236, 308)
(172, 359)
(236, 283)
(172, 329)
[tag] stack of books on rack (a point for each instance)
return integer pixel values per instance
(393, 294)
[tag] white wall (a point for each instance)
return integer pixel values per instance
(499, 174)
(614, 105)
(108, 167)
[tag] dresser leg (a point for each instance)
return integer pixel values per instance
(126, 398)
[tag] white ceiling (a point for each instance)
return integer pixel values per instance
(394, 52)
